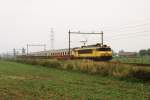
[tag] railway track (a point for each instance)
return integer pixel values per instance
(139, 64)
(135, 64)
(111, 62)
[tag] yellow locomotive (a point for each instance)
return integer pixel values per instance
(94, 52)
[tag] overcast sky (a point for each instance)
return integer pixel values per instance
(126, 23)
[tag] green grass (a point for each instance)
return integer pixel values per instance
(28, 82)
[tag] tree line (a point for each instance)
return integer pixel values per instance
(144, 52)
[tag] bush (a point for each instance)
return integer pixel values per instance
(92, 67)
(141, 73)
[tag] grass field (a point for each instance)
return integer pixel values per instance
(28, 82)
(143, 60)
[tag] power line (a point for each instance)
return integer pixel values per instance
(129, 26)
(142, 35)
(134, 26)
(128, 34)
(124, 32)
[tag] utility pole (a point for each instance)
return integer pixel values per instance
(14, 52)
(102, 38)
(92, 33)
(27, 49)
(23, 51)
(69, 43)
(52, 39)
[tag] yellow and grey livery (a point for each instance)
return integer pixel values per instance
(95, 52)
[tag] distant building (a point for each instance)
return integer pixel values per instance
(127, 54)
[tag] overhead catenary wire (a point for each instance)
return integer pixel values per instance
(133, 36)
(126, 32)
(129, 26)
(127, 35)
(130, 34)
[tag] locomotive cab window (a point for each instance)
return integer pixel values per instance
(104, 49)
(85, 51)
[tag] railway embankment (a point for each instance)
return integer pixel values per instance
(118, 70)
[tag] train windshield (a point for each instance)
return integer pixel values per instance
(85, 51)
(104, 49)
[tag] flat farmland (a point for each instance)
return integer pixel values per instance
(32, 82)
(142, 60)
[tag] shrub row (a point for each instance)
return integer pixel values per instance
(92, 67)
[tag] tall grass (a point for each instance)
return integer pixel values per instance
(92, 67)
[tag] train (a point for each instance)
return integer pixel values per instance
(96, 52)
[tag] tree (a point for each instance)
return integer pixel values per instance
(148, 51)
(114, 53)
(143, 52)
